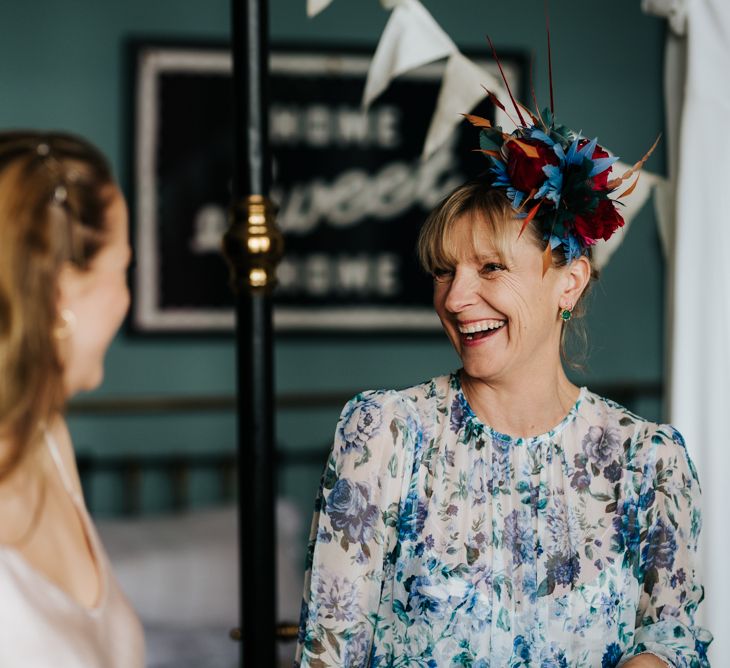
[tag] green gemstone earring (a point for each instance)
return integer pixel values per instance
(566, 314)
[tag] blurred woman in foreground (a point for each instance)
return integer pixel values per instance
(64, 255)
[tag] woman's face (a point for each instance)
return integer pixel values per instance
(501, 315)
(99, 299)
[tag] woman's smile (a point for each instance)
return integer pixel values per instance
(475, 332)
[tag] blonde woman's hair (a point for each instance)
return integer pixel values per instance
(489, 209)
(54, 193)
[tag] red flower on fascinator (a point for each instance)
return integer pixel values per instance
(600, 224)
(525, 160)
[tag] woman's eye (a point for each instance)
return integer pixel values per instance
(491, 267)
(441, 275)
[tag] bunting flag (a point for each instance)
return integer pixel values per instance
(647, 184)
(411, 38)
(314, 7)
(462, 88)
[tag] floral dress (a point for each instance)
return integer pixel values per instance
(438, 541)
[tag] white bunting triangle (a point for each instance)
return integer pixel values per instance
(633, 203)
(462, 88)
(411, 38)
(314, 7)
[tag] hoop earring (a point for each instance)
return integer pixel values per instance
(566, 313)
(68, 327)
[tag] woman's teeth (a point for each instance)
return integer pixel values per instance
(481, 326)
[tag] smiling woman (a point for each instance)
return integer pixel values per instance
(501, 515)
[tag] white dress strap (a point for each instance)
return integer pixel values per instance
(52, 445)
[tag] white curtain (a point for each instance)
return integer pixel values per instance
(698, 117)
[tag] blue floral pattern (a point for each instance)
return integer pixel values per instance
(439, 542)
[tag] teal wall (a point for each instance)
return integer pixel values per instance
(62, 65)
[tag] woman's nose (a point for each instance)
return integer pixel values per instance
(462, 292)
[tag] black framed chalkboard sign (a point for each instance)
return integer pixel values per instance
(351, 188)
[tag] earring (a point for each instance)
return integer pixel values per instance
(567, 312)
(68, 327)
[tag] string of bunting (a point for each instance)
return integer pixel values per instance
(411, 39)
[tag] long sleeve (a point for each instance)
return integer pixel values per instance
(354, 529)
(669, 498)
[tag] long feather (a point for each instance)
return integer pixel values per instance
(630, 189)
(534, 97)
(532, 116)
(478, 121)
(641, 162)
(550, 60)
(494, 154)
(615, 183)
(506, 83)
(526, 200)
(495, 101)
(528, 218)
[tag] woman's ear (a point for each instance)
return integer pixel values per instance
(577, 276)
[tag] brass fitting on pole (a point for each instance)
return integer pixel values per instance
(253, 244)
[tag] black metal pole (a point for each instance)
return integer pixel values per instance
(253, 247)
(250, 32)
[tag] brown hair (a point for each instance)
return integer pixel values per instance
(491, 208)
(54, 192)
